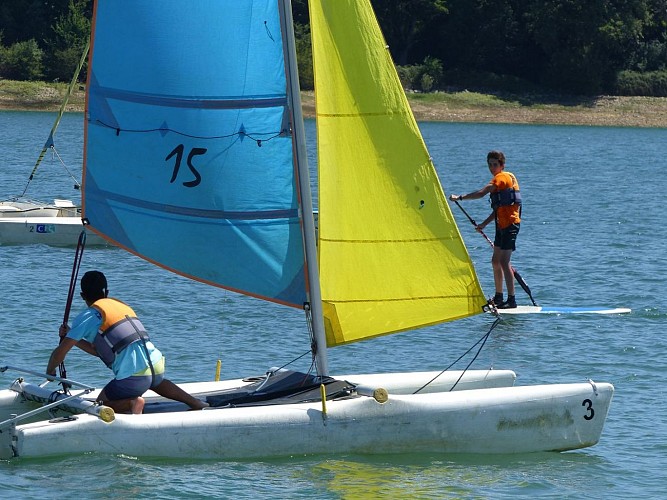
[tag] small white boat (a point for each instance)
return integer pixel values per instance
(196, 161)
(24, 221)
(24, 208)
(29, 222)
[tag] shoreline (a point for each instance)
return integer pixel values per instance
(602, 111)
(454, 107)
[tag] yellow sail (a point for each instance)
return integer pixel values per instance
(391, 255)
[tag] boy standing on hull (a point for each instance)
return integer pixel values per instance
(506, 212)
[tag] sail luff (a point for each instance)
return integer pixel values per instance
(303, 179)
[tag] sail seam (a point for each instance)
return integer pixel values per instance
(202, 102)
(403, 299)
(416, 240)
(355, 115)
(197, 212)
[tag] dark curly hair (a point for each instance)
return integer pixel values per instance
(496, 155)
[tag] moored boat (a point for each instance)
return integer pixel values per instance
(30, 222)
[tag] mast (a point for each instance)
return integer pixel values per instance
(294, 97)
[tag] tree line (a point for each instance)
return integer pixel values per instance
(562, 46)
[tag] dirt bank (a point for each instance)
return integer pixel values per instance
(604, 110)
(601, 111)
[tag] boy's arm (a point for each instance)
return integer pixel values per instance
(84, 345)
(475, 194)
(58, 354)
(486, 222)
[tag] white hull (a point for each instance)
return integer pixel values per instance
(13, 403)
(27, 222)
(499, 419)
(54, 231)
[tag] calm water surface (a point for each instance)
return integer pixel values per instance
(592, 234)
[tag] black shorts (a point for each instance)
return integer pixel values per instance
(131, 387)
(506, 238)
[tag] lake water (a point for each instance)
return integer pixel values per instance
(592, 234)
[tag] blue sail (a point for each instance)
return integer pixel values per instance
(188, 157)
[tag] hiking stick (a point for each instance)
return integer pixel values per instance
(518, 277)
(70, 296)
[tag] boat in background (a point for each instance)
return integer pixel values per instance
(24, 221)
(24, 207)
(196, 161)
(29, 222)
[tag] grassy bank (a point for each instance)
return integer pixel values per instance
(441, 106)
(39, 96)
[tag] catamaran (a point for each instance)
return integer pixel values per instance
(195, 146)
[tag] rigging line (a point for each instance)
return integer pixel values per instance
(311, 332)
(313, 348)
(70, 88)
(483, 340)
(252, 137)
(294, 360)
(77, 185)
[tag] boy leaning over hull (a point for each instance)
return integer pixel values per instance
(110, 330)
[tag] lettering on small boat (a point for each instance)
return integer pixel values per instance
(43, 228)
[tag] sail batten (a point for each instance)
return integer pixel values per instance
(391, 256)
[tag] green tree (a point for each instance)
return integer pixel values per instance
(483, 36)
(404, 23)
(651, 52)
(22, 61)
(304, 55)
(585, 43)
(22, 20)
(70, 34)
(300, 12)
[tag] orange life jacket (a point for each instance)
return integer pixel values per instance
(506, 200)
(120, 327)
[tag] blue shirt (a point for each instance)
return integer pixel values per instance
(130, 361)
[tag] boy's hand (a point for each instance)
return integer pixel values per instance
(62, 331)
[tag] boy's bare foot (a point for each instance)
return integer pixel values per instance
(137, 405)
(199, 405)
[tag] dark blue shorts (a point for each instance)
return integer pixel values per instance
(506, 238)
(131, 387)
